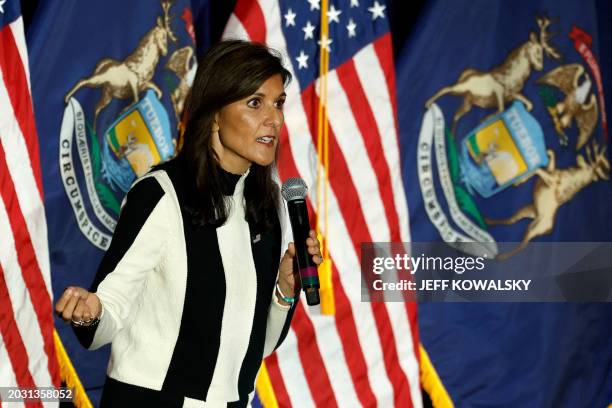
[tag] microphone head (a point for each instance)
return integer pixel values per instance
(294, 189)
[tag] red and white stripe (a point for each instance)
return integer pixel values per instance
(27, 352)
(367, 353)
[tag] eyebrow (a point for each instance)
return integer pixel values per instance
(263, 94)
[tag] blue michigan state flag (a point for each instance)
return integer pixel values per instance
(504, 119)
(109, 80)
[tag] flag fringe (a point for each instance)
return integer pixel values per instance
(430, 381)
(263, 385)
(70, 376)
(328, 305)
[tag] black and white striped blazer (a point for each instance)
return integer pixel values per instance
(190, 311)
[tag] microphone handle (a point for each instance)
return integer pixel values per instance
(300, 225)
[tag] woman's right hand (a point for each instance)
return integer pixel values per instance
(78, 306)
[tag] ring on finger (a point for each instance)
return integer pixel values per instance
(91, 322)
(78, 322)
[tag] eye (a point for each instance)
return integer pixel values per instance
(279, 104)
(254, 103)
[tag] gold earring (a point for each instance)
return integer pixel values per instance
(215, 127)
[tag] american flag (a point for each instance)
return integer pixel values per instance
(27, 353)
(367, 353)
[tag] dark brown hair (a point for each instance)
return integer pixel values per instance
(229, 71)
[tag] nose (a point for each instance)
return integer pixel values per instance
(274, 118)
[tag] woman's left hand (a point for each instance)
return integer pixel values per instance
(286, 274)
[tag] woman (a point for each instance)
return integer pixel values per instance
(193, 291)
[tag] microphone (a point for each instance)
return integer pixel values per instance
(294, 191)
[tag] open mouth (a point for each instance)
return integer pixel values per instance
(265, 139)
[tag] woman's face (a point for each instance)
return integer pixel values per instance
(249, 128)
